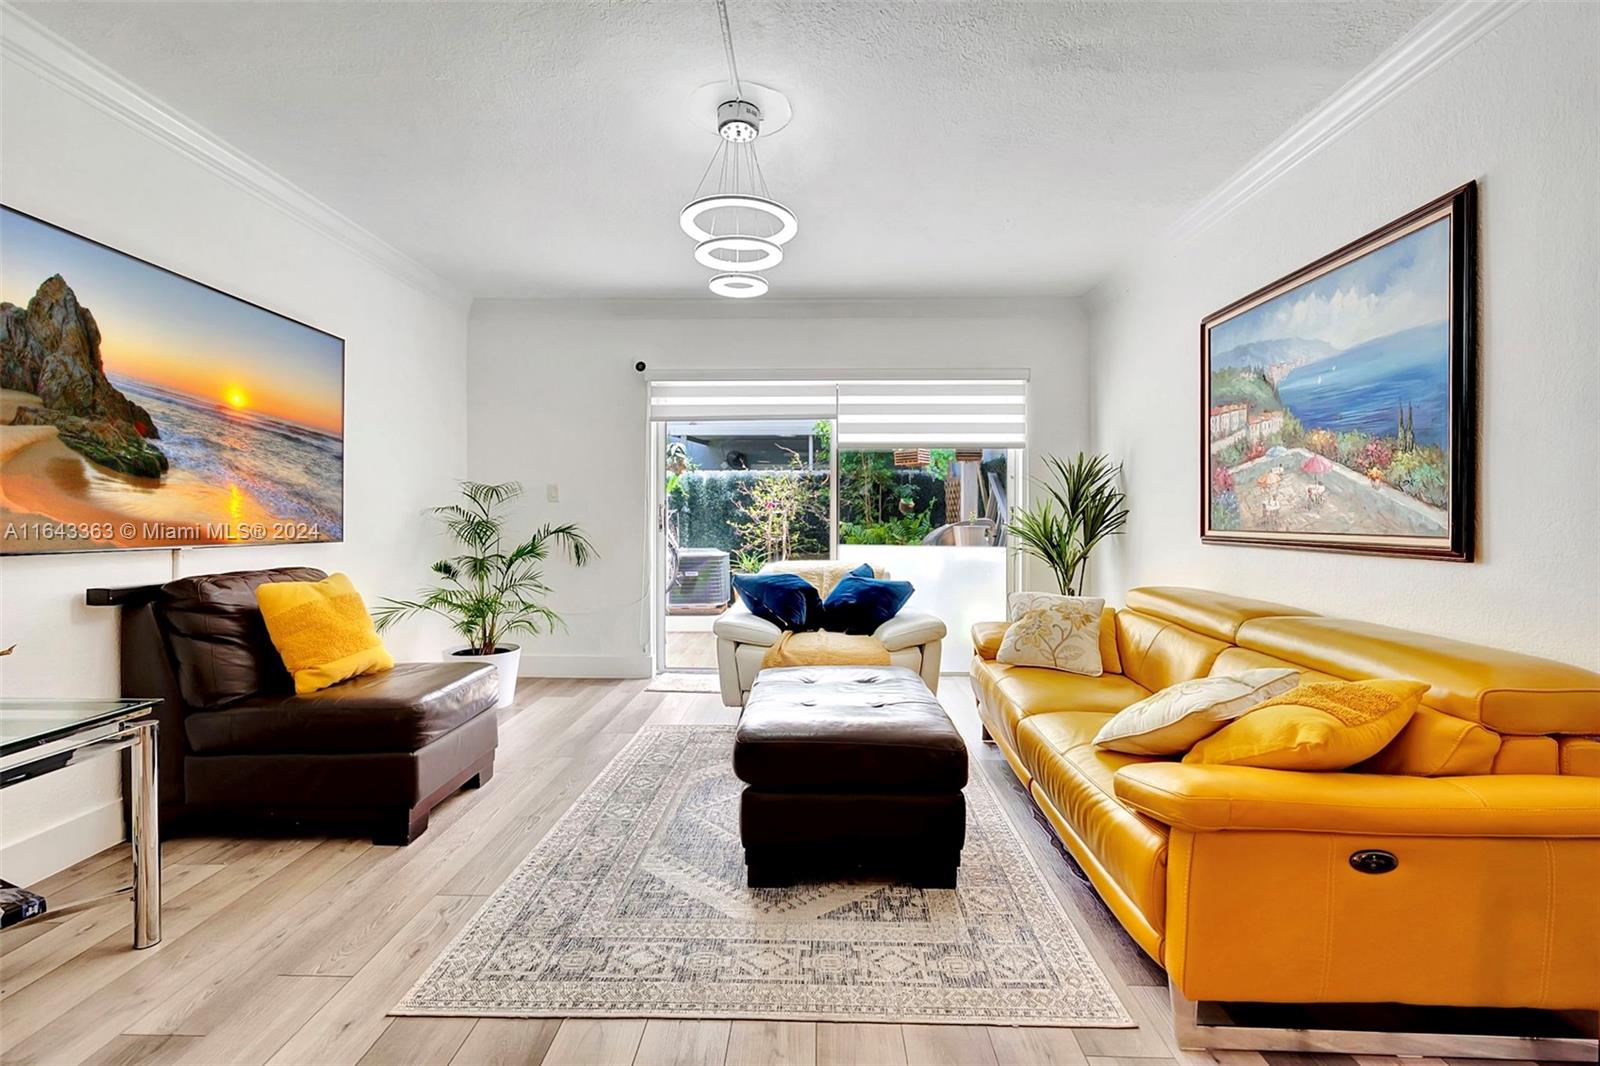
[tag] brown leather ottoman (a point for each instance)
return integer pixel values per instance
(848, 769)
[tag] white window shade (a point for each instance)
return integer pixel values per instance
(951, 412)
(958, 412)
(712, 401)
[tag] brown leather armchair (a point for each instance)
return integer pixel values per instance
(235, 741)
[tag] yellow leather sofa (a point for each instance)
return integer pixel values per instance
(1240, 882)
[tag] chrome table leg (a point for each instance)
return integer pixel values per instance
(146, 838)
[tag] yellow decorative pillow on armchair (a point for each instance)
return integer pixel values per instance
(322, 631)
(1330, 725)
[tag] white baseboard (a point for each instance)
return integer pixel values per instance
(621, 666)
(34, 857)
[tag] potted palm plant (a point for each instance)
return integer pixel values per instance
(488, 592)
(1081, 506)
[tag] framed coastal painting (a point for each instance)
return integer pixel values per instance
(1337, 404)
(142, 409)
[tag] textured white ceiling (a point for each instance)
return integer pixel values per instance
(540, 149)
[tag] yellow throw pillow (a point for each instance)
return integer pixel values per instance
(322, 631)
(1330, 725)
(1057, 632)
(1180, 716)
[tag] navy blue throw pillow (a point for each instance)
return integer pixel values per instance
(788, 601)
(860, 605)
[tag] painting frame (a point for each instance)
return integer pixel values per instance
(1459, 206)
(339, 537)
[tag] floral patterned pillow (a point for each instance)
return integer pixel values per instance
(1057, 632)
(1180, 716)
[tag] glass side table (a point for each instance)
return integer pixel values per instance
(41, 736)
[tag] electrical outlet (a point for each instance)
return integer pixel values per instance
(552, 492)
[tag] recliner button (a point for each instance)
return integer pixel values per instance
(1373, 861)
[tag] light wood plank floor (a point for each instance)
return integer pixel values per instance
(290, 951)
(691, 650)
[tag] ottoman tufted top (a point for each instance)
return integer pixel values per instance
(847, 729)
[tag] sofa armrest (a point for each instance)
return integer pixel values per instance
(740, 626)
(909, 629)
(1219, 798)
(986, 638)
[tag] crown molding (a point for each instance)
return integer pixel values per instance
(709, 307)
(1433, 41)
(33, 47)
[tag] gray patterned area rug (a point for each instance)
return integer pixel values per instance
(634, 905)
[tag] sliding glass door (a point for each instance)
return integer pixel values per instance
(917, 477)
(935, 517)
(736, 495)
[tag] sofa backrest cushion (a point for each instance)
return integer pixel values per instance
(220, 649)
(1581, 756)
(1434, 744)
(1157, 653)
(1238, 660)
(1110, 657)
(1214, 614)
(1528, 755)
(1506, 691)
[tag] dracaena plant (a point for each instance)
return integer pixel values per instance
(1079, 507)
(489, 591)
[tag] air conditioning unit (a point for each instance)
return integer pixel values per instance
(704, 579)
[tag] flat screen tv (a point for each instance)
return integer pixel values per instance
(140, 409)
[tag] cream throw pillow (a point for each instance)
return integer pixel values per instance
(1180, 716)
(1058, 632)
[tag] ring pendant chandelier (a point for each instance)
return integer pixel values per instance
(738, 228)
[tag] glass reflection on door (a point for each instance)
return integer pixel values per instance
(738, 494)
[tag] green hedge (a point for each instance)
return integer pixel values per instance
(707, 506)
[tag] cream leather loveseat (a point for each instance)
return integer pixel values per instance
(914, 638)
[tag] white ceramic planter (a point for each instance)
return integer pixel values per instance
(505, 661)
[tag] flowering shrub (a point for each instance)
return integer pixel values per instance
(1221, 480)
(1421, 473)
(1348, 449)
(780, 512)
(1324, 443)
(709, 505)
(1376, 455)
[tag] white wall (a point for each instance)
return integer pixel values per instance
(555, 398)
(1517, 110)
(69, 162)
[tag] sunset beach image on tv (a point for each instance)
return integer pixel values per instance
(140, 409)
